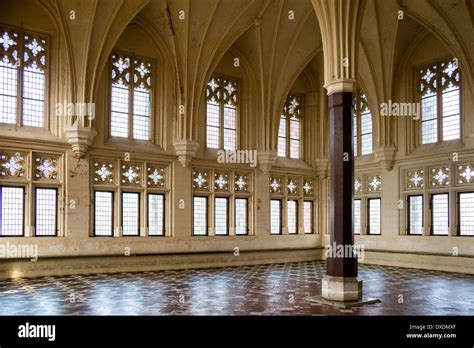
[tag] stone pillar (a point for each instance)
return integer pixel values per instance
(182, 201)
(340, 283)
(77, 204)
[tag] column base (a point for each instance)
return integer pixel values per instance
(341, 288)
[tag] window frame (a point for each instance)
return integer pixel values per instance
(206, 216)
(408, 226)
(368, 216)
(357, 115)
(439, 102)
(24, 212)
(458, 206)
(247, 229)
(227, 213)
(432, 214)
(287, 136)
(312, 216)
(297, 211)
(148, 194)
(56, 227)
(153, 75)
(112, 217)
(360, 217)
(122, 192)
(20, 75)
(221, 127)
(280, 204)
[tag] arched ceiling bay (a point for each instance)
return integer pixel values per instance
(385, 38)
(279, 48)
(198, 33)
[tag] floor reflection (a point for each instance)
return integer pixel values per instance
(278, 289)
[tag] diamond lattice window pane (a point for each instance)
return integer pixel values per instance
(131, 86)
(275, 216)
(440, 91)
(46, 211)
(241, 182)
(358, 185)
(222, 99)
(200, 180)
(366, 133)
(357, 215)
(103, 213)
(292, 216)
(308, 187)
(221, 224)
(292, 186)
(466, 173)
(241, 216)
(374, 183)
(156, 214)
(275, 185)
(46, 168)
(439, 176)
(12, 211)
(308, 217)
(289, 130)
(221, 181)
(130, 214)
(103, 172)
(440, 214)
(282, 137)
(466, 214)
(200, 216)
(156, 176)
(415, 178)
(34, 80)
(374, 223)
(12, 165)
(131, 174)
(415, 215)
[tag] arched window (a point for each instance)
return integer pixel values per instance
(439, 87)
(131, 97)
(222, 100)
(362, 125)
(289, 131)
(22, 77)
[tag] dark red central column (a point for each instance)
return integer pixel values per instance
(341, 184)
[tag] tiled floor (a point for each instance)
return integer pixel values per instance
(279, 289)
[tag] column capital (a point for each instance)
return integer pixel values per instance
(266, 160)
(185, 150)
(339, 23)
(322, 167)
(340, 85)
(386, 156)
(80, 138)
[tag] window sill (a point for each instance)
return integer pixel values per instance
(210, 152)
(444, 147)
(26, 132)
(127, 144)
(293, 163)
(363, 159)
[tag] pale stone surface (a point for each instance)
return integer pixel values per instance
(341, 288)
(16, 268)
(78, 71)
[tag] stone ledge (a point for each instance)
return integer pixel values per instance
(16, 268)
(425, 261)
(342, 304)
